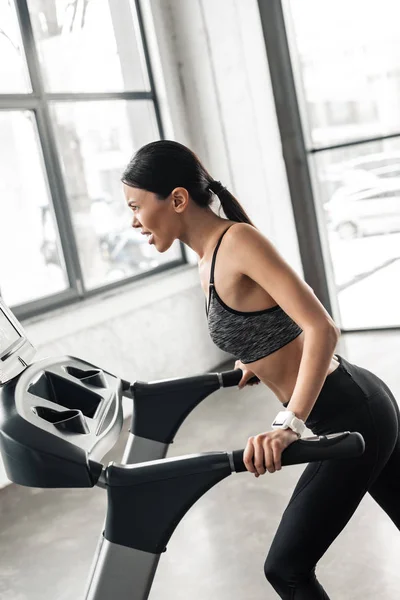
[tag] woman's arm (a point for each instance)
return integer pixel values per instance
(318, 349)
(257, 258)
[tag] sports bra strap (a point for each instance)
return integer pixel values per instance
(215, 256)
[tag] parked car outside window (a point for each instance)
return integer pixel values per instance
(355, 211)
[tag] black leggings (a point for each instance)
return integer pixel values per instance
(328, 493)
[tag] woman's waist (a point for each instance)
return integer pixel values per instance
(282, 381)
(279, 370)
(347, 389)
(337, 383)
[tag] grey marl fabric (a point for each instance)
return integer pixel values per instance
(248, 336)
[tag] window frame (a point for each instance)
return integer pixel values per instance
(38, 102)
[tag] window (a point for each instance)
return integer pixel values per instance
(76, 101)
(350, 77)
(27, 223)
(347, 84)
(14, 76)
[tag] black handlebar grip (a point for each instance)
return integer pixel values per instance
(313, 449)
(231, 378)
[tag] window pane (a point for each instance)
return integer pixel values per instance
(96, 141)
(348, 57)
(14, 76)
(361, 207)
(89, 46)
(31, 265)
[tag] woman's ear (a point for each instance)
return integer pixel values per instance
(180, 198)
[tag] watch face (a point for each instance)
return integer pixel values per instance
(279, 421)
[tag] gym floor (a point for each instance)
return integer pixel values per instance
(48, 537)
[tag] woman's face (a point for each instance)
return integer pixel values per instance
(152, 216)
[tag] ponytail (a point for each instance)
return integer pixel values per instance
(230, 205)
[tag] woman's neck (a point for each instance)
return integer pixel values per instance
(202, 233)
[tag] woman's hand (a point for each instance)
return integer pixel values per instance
(247, 374)
(263, 451)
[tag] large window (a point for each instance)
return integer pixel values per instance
(346, 62)
(76, 101)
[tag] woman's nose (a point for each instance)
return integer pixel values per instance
(135, 222)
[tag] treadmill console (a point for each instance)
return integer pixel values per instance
(58, 416)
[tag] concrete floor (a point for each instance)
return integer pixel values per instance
(47, 538)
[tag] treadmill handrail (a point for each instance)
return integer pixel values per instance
(311, 449)
(146, 501)
(225, 379)
(160, 407)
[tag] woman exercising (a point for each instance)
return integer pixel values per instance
(262, 312)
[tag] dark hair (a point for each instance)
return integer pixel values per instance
(161, 166)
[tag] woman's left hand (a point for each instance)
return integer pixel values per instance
(263, 451)
(248, 377)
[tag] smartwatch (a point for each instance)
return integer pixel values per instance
(286, 419)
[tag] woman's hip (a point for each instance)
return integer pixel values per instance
(354, 398)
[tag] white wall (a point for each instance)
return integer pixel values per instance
(154, 329)
(215, 92)
(217, 89)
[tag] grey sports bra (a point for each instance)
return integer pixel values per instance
(248, 335)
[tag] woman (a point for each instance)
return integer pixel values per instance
(260, 311)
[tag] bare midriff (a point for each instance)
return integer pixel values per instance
(279, 370)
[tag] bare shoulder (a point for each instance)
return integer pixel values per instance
(243, 230)
(254, 255)
(239, 228)
(257, 258)
(247, 240)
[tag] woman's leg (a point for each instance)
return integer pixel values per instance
(329, 492)
(386, 488)
(325, 498)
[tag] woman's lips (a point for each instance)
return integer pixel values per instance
(150, 236)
